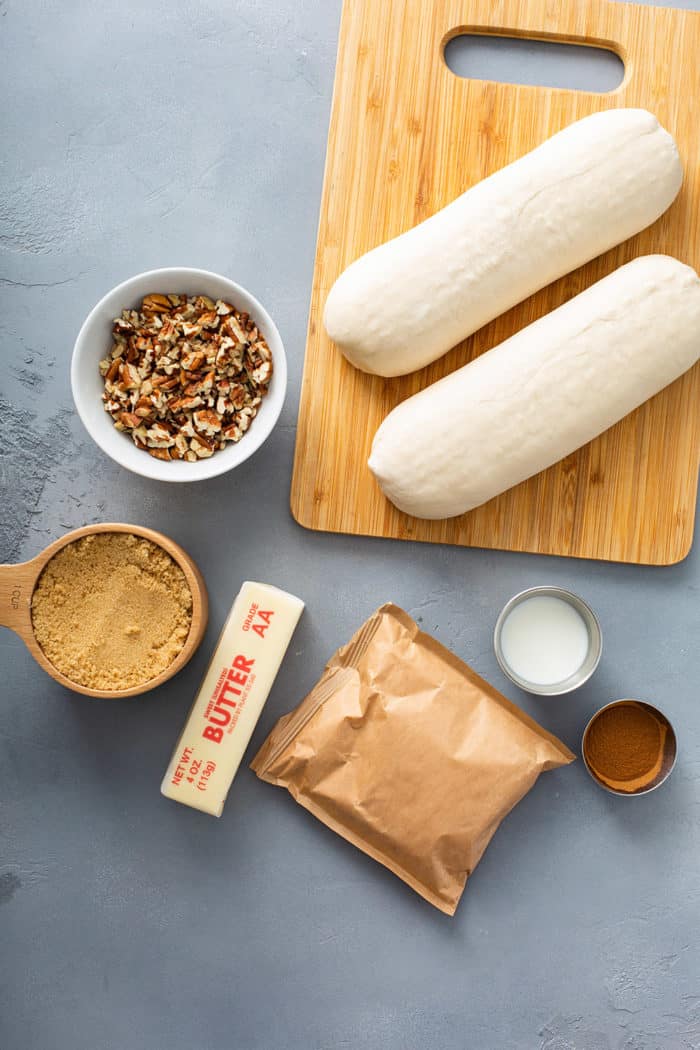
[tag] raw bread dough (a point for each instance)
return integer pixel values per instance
(543, 393)
(591, 186)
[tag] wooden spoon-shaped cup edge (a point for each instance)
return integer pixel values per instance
(17, 583)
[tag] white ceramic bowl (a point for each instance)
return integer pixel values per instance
(94, 342)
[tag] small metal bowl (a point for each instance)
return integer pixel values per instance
(595, 642)
(668, 760)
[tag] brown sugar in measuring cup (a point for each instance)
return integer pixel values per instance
(18, 585)
(629, 747)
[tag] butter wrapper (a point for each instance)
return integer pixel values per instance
(236, 685)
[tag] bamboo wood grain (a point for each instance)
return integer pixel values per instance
(406, 137)
(17, 583)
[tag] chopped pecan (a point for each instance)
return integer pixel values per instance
(129, 419)
(193, 360)
(209, 320)
(129, 377)
(201, 448)
(158, 436)
(261, 375)
(185, 404)
(185, 375)
(207, 420)
(191, 329)
(155, 304)
(113, 370)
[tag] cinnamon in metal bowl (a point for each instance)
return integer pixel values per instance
(629, 747)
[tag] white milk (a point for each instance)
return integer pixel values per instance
(544, 640)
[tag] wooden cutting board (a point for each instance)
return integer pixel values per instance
(406, 137)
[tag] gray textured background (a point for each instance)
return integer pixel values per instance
(137, 135)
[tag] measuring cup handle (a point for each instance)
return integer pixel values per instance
(16, 586)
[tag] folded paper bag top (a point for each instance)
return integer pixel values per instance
(406, 752)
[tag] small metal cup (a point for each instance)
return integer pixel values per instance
(667, 763)
(595, 642)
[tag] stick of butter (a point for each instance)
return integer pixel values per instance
(236, 685)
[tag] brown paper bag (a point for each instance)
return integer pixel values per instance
(406, 752)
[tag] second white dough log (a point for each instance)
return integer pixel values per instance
(543, 393)
(586, 189)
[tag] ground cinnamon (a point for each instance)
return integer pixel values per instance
(624, 746)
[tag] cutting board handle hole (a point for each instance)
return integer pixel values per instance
(541, 63)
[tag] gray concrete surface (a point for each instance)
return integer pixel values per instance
(138, 135)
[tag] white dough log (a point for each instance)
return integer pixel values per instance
(543, 393)
(586, 189)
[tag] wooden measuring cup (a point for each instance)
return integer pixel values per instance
(17, 583)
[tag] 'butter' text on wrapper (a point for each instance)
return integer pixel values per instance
(236, 685)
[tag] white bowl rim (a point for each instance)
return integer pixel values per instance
(213, 466)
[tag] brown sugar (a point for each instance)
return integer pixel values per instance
(112, 610)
